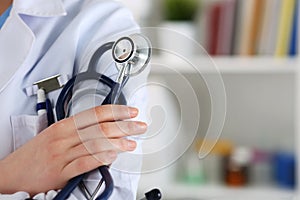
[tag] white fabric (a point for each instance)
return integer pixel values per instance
(42, 38)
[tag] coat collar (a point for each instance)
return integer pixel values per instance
(41, 8)
(12, 57)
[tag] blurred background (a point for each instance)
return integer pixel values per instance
(224, 80)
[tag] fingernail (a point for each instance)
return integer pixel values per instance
(131, 145)
(133, 111)
(141, 126)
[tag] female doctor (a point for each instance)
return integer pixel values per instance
(42, 38)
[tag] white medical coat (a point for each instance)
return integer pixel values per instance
(42, 38)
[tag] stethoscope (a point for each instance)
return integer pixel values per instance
(131, 55)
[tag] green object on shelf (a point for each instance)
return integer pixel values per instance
(180, 10)
(193, 169)
(195, 179)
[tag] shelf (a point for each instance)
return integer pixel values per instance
(215, 192)
(260, 65)
(175, 190)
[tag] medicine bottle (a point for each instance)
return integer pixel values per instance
(237, 167)
(213, 156)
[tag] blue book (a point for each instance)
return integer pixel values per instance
(294, 37)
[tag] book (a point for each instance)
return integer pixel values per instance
(269, 30)
(225, 35)
(213, 27)
(285, 27)
(294, 36)
(202, 24)
(242, 26)
(255, 26)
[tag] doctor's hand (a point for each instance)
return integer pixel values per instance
(70, 147)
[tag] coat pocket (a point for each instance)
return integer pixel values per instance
(25, 127)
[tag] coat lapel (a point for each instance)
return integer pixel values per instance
(16, 41)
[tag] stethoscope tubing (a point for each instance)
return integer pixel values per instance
(67, 91)
(97, 55)
(74, 182)
(60, 111)
(66, 95)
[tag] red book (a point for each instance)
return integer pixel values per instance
(213, 28)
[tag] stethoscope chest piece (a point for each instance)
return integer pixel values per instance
(134, 50)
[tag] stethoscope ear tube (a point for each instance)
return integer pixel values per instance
(63, 97)
(68, 189)
(109, 184)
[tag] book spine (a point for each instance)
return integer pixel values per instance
(255, 27)
(226, 27)
(294, 36)
(245, 24)
(285, 28)
(213, 27)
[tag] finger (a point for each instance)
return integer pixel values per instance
(87, 163)
(100, 145)
(106, 113)
(67, 127)
(112, 130)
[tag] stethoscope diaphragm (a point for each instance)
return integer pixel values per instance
(134, 50)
